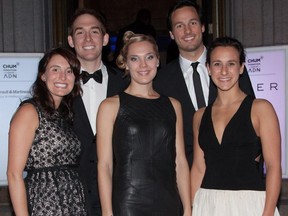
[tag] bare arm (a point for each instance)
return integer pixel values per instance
(266, 124)
(182, 168)
(198, 165)
(21, 135)
(105, 121)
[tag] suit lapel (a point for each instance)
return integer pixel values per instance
(81, 118)
(116, 82)
(110, 86)
(181, 87)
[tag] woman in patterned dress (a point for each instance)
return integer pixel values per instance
(43, 143)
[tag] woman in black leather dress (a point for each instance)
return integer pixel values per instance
(142, 169)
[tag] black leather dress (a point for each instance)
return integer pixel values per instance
(144, 176)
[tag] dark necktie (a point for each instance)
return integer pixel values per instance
(97, 76)
(197, 86)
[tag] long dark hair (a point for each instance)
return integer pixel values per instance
(40, 93)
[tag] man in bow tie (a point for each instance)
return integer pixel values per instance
(87, 35)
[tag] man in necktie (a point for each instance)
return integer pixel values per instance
(87, 35)
(178, 79)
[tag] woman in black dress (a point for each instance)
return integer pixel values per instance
(142, 169)
(232, 136)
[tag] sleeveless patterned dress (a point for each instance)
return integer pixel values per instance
(53, 185)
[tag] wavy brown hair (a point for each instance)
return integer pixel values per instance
(41, 94)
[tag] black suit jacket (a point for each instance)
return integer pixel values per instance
(88, 159)
(170, 82)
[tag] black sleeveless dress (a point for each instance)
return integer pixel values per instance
(53, 185)
(144, 176)
(232, 164)
(233, 183)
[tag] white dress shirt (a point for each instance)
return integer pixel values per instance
(93, 94)
(187, 71)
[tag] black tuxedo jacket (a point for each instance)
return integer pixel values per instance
(88, 159)
(170, 82)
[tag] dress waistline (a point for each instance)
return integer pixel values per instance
(54, 168)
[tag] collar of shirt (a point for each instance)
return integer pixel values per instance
(185, 64)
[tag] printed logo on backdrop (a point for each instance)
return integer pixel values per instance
(17, 75)
(9, 71)
(20, 69)
(266, 69)
(254, 65)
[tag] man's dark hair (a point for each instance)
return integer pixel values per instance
(99, 16)
(181, 4)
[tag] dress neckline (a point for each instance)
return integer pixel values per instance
(220, 142)
(137, 97)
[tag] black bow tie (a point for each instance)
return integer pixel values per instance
(97, 76)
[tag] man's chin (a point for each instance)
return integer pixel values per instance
(91, 57)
